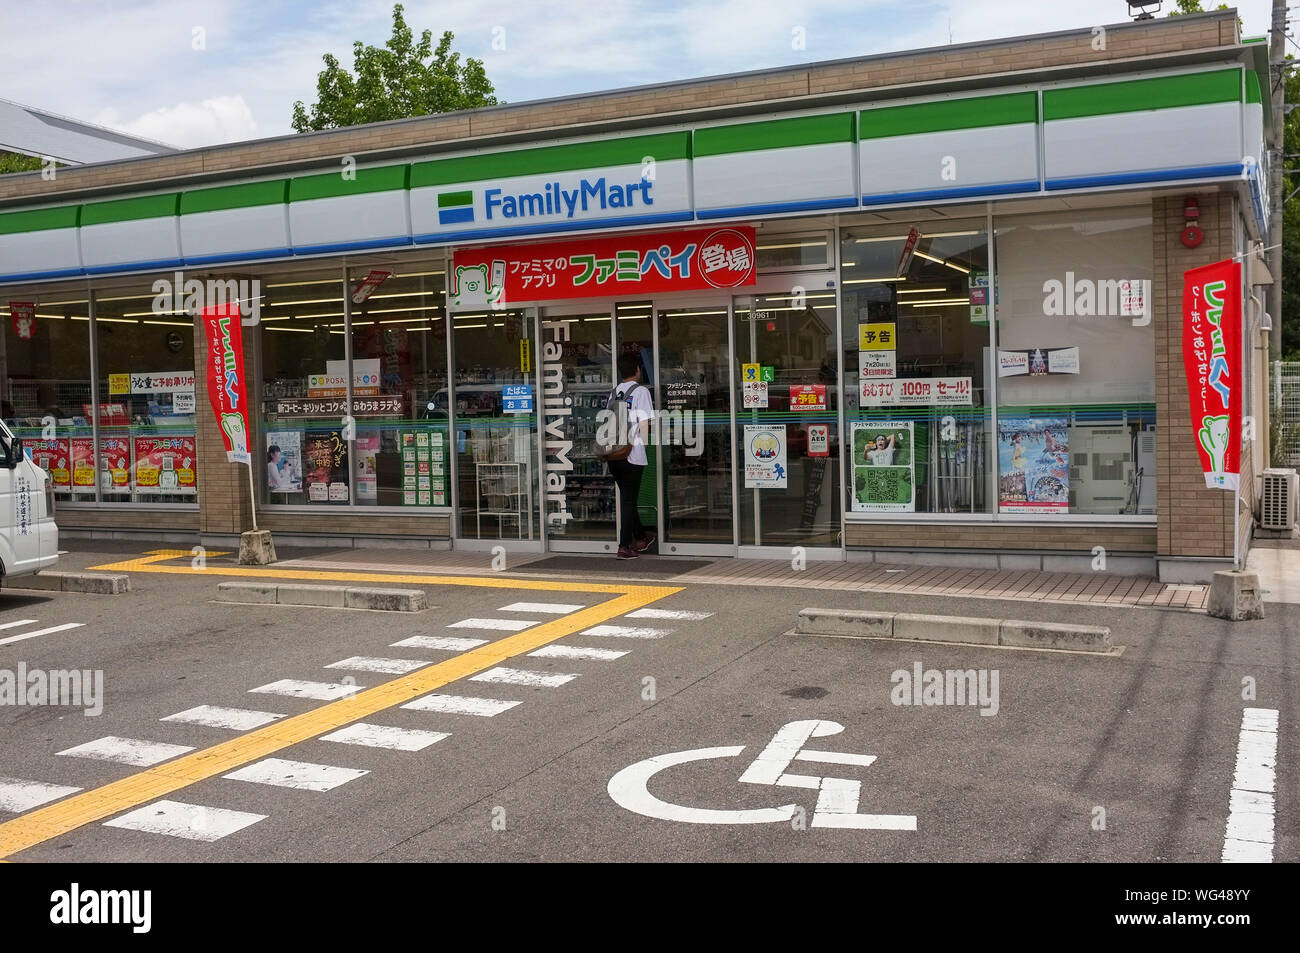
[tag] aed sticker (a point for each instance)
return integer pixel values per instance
(819, 440)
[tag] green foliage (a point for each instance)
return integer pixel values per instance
(1291, 224)
(13, 162)
(396, 81)
(1193, 6)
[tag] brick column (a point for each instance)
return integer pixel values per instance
(1193, 520)
(223, 486)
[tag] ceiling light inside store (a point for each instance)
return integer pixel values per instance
(940, 261)
(865, 281)
(917, 291)
(917, 304)
(294, 330)
(304, 284)
(171, 324)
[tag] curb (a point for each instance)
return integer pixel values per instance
(967, 630)
(332, 597)
(100, 584)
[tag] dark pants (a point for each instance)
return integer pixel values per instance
(628, 477)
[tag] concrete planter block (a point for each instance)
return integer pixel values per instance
(863, 625)
(256, 548)
(1054, 635)
(942, 628)
(1236, 596)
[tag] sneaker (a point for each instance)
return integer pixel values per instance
(627, 552)
(644, 543)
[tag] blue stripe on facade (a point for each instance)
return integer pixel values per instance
(36, 275)
(352, 246)
(1155, 175)
(455, 216)
(775, 207)
(552, 227)
(238, 256)
(134, 266)
(1005, 188)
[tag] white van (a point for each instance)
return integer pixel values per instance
(29, 540)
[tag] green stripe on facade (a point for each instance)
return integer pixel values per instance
(974, 112)
(774, 134)
(40, 220)
(455, 199)
(664, 147)
(1160, 92)
(329, 185)
(128, 210)
(235, 196)
(1253, 94)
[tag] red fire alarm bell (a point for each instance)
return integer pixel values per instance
(1192, 234)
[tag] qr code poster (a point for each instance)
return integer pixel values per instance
(884, 479)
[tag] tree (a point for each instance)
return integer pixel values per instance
(15, 162)
(1290, 316)
(1193, 6)
(396, 81)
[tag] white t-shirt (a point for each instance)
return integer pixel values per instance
(881, 458)
(642, 409)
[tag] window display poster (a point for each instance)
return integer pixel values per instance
(424, 469)
(1038, 361)
(877, 364)
(82, 450)
(1033, 465)
(765, 457)
(165, 464)
(920, 391)
(284, 461)
(367, 481)
(754, 393)
(54, 457)
(325, 466)
(114, 465)
(884, 466)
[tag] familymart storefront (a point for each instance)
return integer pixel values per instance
(855, 346)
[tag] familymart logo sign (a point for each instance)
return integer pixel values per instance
(587, 196)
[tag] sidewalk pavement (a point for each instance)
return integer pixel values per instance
(1278, 566)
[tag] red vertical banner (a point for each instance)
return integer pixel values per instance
(1212, 360)
(225, 376)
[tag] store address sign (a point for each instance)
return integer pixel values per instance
(596, 267)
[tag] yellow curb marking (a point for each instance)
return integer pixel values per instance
(61, 817)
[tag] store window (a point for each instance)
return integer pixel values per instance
(1076, 364)
(792, 252)
(915, 343)
(45, 386)
(148, 450)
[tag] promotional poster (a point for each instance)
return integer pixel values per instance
(325, 466)
(1034, 463)
(165, 465)
(884, 471)
(284, 461)
(765, 457)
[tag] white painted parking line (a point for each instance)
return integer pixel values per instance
(15, 624)
(190, 821)
(303, 775)
(131, 751)
(385, 736)
(503, 625)
(18, 795)
(320, 691)
(836, 757)
(213, 716)
(1248, 836)
(38, 632)
(517, 676)
(461, 705)
(578, 652)
(626, 632)
(680, 614)
(555, 608)
(445, 643)
(389, 666)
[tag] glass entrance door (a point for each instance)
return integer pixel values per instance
(693, 400)
(577, 364)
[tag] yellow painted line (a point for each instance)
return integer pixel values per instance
(59, 818)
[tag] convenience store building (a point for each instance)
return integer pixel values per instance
(922, 306)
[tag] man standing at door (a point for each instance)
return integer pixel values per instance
(633, 538)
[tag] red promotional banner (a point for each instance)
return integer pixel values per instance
(165, 464)
(54, 457)
(114, 465)
(23, 315)
(808, 397)
(640, 263)
(1212, 361)
(225, 378)
(82, 451)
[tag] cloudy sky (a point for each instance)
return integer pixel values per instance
(132, 65)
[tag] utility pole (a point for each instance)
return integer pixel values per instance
(1277, 148)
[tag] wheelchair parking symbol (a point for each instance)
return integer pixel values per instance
(837, 798)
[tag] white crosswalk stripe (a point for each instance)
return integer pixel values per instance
(680, 614)
(190, 821)
(282, 773)
(578, 652)
(626, 632)
(320, 691)
(446, 643)
(389, 666)
(502, 625)
(554, 608)
(18, 795)
(461, 705)
(385, 736)
(39, 632)
(517, 676)
(131, 751)
(213, 716)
